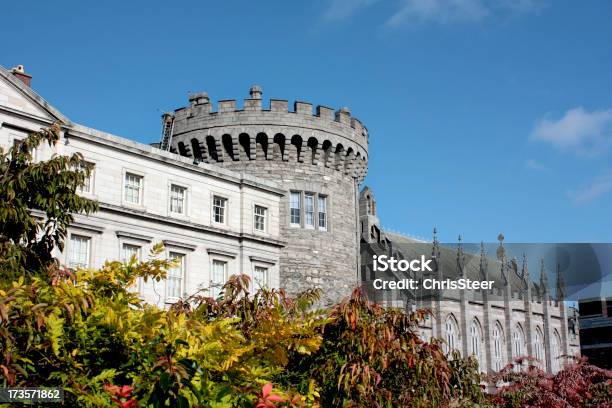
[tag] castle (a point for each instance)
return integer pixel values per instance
(268, 191)
(318, 160)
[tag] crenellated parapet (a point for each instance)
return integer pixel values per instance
(325, 137)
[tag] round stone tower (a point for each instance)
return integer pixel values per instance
(319, 159)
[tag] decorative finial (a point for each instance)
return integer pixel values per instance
(435, 249)
(543, 275)
(460, 255)
(199, 98)
(560, 284)
(255, 92)
(483, 261)
(501, 251)
(525, 271)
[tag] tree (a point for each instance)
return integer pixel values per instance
(49, 187)
(372, 356)
(579, 384)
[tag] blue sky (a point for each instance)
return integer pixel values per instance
(485, 116)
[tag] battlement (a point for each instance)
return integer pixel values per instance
(201, 106)
(328, 137)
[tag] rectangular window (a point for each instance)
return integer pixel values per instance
(128, 251)
(218, 277)
(219, 206)
(78, 256)
(133, 188)
(174, 278)
(260, 218)
(309, 209)
(260, 277)
(177, 199)
(295, 208)
(87, 186)
(17, 138)
(322, 203)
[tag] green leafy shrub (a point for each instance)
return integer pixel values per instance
(88, 332)
(371, 356)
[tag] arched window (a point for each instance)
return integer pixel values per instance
(476, 342)
(538, 347)
(451, 334)
(498, 339)
(556, 352)
(518, 344)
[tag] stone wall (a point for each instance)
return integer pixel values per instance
(323, 153)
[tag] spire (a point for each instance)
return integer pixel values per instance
(435, 249)
(483, 262)
(560, 284)
(460, 256)
(543, 276)
(501, 256)
(435, 252)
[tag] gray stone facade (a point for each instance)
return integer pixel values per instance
(517, 317)
(324, 154)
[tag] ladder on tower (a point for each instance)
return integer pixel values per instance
(167, 131)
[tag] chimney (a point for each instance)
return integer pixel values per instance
(20, 73)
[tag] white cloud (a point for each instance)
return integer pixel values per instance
(450, 11)
(341, 9)
(533, 164)
(435, 11)
(597, 188)
(440, 11)
(583, 131)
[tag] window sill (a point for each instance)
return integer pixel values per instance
(132, 206)
(178, 216)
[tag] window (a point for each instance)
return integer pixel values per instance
(314, 216)
(174, 278)
(260, 277)
(219, 205)
(17, 139)
(128, 251)
(218, 278)
(177, 199)
(590, 308)
(133, 188)
(475, 342)
(87, 186)
(451, 337)
(518, 342)
(539, 346)
(497, 347)
(309, 209)
(78, 256)
(322, 212)
(556, 352)
(295, 208)
(260, 218)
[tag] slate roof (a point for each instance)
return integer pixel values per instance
(411, 248)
